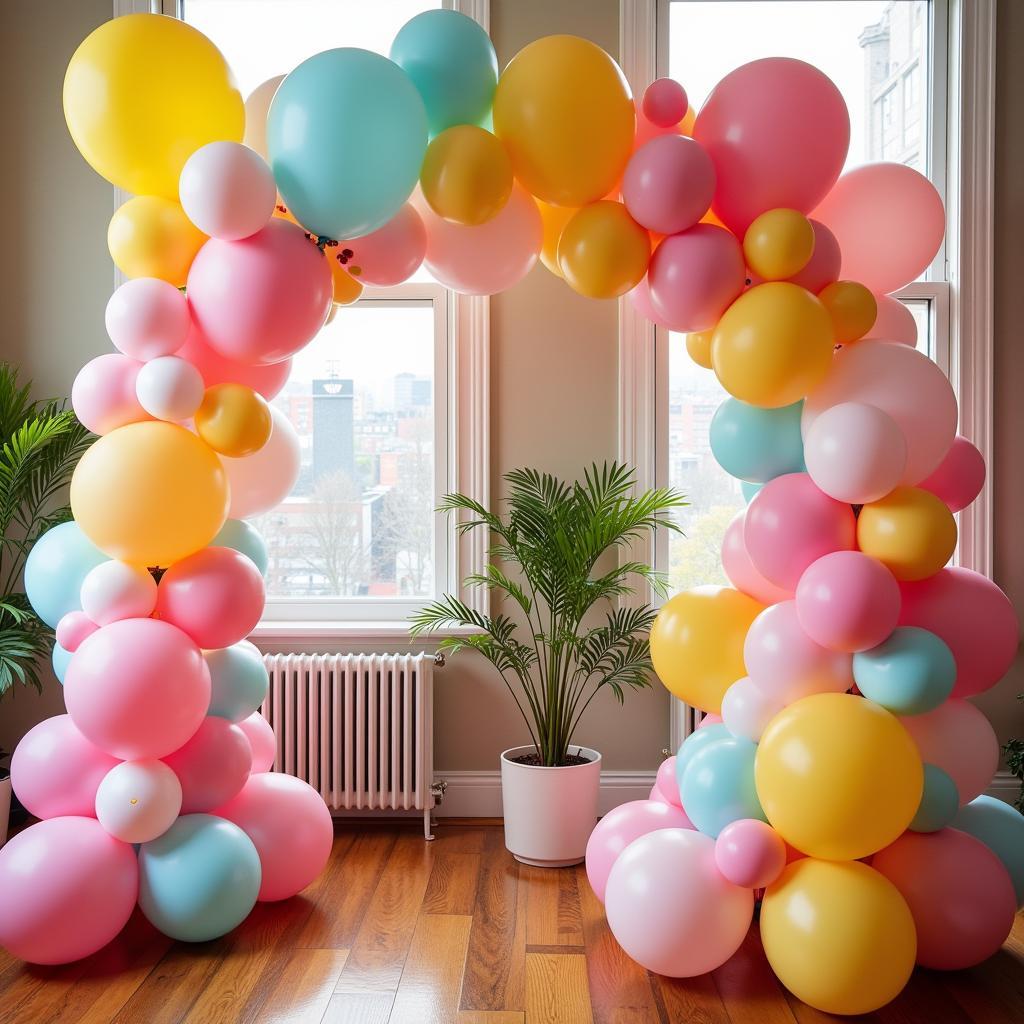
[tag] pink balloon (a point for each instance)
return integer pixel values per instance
(647, 129)
(750, 853)
(55, 770)
(291, 828)
(262, 298)
(975, 619)
(66, 889)
(666, 781)
(103, 394)
(889, 221)
(958, 738)
(777, 130)
(138, 688)
(668, 184)
(618, 828)
(640, 297)
(695, 276)
(747, 708)
(959, 894)
(216, 369)
(262, 741)
(73, 628)
(212, 766)
(959, 477)
(823, 267)
(656, 796)
(487, 258)
(740, 570)
(791, 523)
(710, 718)
(263, 480)
(665, 103)
(147, 318)
(893, 322)
(848, 601)
(216, 596)
(392, 253)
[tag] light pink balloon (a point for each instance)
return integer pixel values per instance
(138, 688)
(893, 323)
(709, 719)
(748, 708)
(695, 276)
(666, 781)
(777, 130)
(740, 570)
(115, 590)
(147, 318)
(392, 253)
(640, 297)
(665, 103)
(103, 394)
(618, 828)
(212, 766)
(263, 480)
(262, 298)
(72, 629)
(656, 796)
(889, 221)
(261, 740)
(750, 853)
(55, 770)
(904, 383)
(668, 184)
(823, 267)
(960, 476)
(267, 379)
(291, 828)
(975, 619)
(66, 889)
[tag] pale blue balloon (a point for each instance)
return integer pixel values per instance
(452, 63)
(1001, 828)
(718, 785)
(346, 133)
(749, 490)
(199, 879)
(60, 660)
(238, 681)
(696, 742)
(55, 568)
(939, 801)
(757, 444)
(911, 672)
(243, 537)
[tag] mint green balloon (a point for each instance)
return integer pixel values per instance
(1001, 828)
(238, 681)
(718, 785)
(909, 673)
(757, 444)
(245, 538)
(749, 490)
(939, 801)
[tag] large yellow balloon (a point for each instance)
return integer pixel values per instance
(603, 252)
(838, 776)
(697, 643)
(149, 494)
(773, 345)
(910, 530)
(554, 219)
(838, 935)
(565, 115)
(142, 93)
(466, 175)
(852, 307)
(151, 237)
(778, 244)
(234, 420)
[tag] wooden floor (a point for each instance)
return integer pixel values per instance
(402, 931)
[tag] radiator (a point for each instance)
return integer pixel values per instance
(357, 727)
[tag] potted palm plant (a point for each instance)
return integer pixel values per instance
(572, 636)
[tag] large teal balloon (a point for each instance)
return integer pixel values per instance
(694, 744)
(1001, 828)
(243, 537)
(238, 681)
(749, 490)
(718, 785)
(60, 660)
(757, 444)
(911, 672)
(55, 568)
(346, 133)
(452, 63)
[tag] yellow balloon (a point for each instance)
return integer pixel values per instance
(838, 935)
(150, 494)
(910, 531)
(554, 219)
(151, 237)
(773, 345)
(699, 348)
(838, 776)
(778, 244)
(565, 115)
(852, 308)
(142, 93)
(688, 121)
(234, 420)
(697, 643)
(466, 175)
(602, 251)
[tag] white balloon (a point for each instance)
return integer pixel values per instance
(747, 709)
(257, 106)
(115, 590)
(138, 800)
(263, 480)
(170, 388)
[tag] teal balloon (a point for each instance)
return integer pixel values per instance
(749, 490)
(939, 801)
(60, 660)
(346, 133)
(199, 879)
(238, 681)
(243, 537)
(696, 742)
(1001, 828)
(452, 63)
(757, 444)
(718, 785)
(911, 672)
(55, 568)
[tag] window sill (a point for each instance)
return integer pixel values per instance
(351, 631)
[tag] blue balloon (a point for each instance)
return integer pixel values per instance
(911, 672)
(60, 659)
(718, 785)
(749, 490)
(696, 742)
(346, 133)
(243, 537)
(1001, 828)
(238, 681)
(199, 879)
(939, 801)
(55, 568)
(757, 444)
(452, 63)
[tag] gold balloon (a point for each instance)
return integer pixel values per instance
(151, 237)
(698, 346)
(852, 307)
(467, 175)
(910, 531)
(234, 420)
(778, 244)
(554, 219)
(602, 251)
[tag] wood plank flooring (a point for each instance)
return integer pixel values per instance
(399, 931)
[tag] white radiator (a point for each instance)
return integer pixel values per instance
(357, 727)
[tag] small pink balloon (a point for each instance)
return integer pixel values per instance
(147, 318)
(709, 719)
(217, 369)
(263, 480)
(103, 394)
(73, 628)
(665, 102)
(959, 477)
(291, 828)
(392, 253)
(640, 297)
(695, 276)
(262, 741)
(668, 184)
(212, 766)
(55, 770)
(740, 570)
(750, 853)
(823, 267)
(666, 781)
(893, 323)
(658, 797)
(66, 889)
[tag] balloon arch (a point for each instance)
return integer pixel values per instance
(840, 768)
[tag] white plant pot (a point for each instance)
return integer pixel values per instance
(5, 808)
(549, 812)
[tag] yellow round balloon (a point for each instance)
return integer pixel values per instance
(773, 345)
(467, 175)
(564, 113)
(910, 530)
(852, 308)
(778, 244)
(150, 494)
(234, 420)
(838, 776)
(602, 251)
(699, 348)
(554, 219)
(151, 237)
(142, 93)
(697, 643)
(838, 935)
